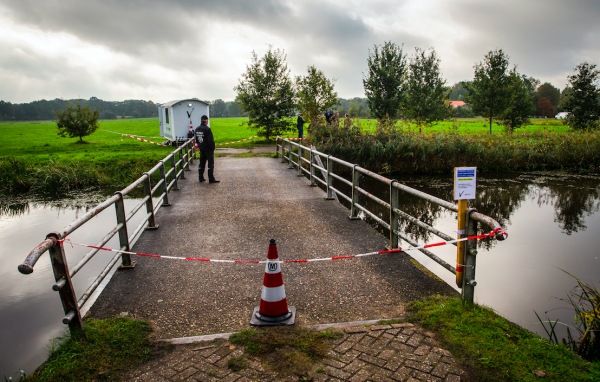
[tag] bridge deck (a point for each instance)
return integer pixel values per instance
(259, 199)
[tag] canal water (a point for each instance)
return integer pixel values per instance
(30, 311)
(552, 219)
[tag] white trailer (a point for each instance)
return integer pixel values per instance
(175, 118)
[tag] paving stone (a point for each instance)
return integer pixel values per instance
(388, 336)
(387, 354)
(367, 341)
(402, 338)
(334, 363)
(432, 358)
(370, 359)
(223, 351)
(380, 378)
(231, 378)
(213, 358)
(403, 374)
(394, 363)
(349, 356)
(354, 366)
(165, 372)
(356, 329)
(381, 343)
(412, 357)
(184, 374)
(425, 377)
(449, 360)
(344, 346)
(393, 331)
(422, 350)
(415, 340)
(431, 341)
(356, 337)
(418, 366)
(400, 346)
(361, 376)
(452, 378)
(380, 327)
(441, 370)
(409, 331)
(375, 334)
(375, 370)
(456, 370)
(360, 348)
(442, 352)
(402, 325)
(428, 333)
(336, 373)
(320, 377)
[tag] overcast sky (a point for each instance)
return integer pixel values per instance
(163, 50)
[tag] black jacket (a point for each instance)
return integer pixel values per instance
(300, 122)
(204, 138)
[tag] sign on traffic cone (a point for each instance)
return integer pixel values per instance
(273, 309)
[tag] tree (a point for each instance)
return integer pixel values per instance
(458, 92)
(583, 102)
(548, 91)
(384, 83)
(315, 94)
(266, 94)
(233, 109)
(77, 121)
(519, 106)
(489, 90)
(426, 92)
(545, 107)
(107, 114)
(218, 108)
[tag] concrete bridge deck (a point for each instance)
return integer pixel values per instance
(259, 199)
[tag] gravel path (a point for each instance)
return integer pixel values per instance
(258, 199)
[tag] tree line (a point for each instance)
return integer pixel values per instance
(412, 88)
(45, 110)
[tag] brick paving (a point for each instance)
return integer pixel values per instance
(397, 352)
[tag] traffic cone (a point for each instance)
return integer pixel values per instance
(273, 309)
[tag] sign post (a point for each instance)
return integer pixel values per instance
(464, 189)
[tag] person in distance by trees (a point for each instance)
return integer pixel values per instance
(385, 80)
(77, 121)
(206, 145)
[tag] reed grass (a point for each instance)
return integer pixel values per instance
(399, 149)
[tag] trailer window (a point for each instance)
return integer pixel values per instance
(167, 115)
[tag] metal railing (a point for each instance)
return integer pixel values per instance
(294, 154)
(54, 240)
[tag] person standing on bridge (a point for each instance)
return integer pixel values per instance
(206, 144)
(300, 125)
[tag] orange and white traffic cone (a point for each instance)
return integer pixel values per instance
(273, 309)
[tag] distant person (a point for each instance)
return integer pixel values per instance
(300, 125)
(328, 116)
(346, 121)
(206, 145)
(336, 118)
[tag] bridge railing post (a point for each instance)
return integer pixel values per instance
(174, 167)
(394, 242)
(182, 160)
(165, 184)
(291, 162)
(62, 277)
(329, 178)
(300, 160)
(123, 236)
(469, 283)
(277, 147)
(192, 152)
(149, 203)
(355, 181)
(312, 169)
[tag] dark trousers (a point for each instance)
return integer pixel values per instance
(300, 131)
(206, 155)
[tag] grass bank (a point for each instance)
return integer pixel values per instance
(497, 349)
(33, 158)
(407, 152)
(102, 352)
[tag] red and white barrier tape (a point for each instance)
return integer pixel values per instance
(140, 139)
(293, 139)
(241, 140)
(135, 135)
(297, 261)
